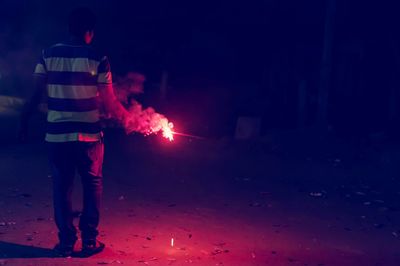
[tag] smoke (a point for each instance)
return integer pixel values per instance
(131, 84)
(142, 120)
(146, 121)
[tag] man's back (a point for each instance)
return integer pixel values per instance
(73, 71)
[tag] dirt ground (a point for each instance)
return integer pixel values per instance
(277, 201)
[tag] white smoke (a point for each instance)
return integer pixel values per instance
(146, 121)
(131, 84)
(142, 120)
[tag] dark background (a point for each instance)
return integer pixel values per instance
(231, 58)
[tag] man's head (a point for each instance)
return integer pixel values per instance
(81, 24)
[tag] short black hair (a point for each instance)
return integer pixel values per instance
(81, 20)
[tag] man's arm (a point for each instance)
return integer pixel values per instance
(113, 106)
(111, 103)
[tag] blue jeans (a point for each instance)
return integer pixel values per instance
(87, 159)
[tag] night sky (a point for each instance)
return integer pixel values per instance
(248, 57)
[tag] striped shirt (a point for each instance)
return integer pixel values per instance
(74, 72)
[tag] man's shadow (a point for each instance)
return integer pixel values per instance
(11, 250)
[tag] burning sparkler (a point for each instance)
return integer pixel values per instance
(148, 121)
(167, 131)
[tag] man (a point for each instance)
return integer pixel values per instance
(75, 75)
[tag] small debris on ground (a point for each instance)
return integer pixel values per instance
(171, 260)
(315, 194)
(204, 252)
(255, 204)
(379, 226)
(7, 223)
(216, 251)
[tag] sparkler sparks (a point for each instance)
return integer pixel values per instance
(187, 135)
(167, 131)
(147, 121)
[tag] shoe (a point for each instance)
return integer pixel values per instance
(64, 250)
(91, 248)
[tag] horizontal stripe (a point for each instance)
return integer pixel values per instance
(73, 137)
(72, 64)
(72, 105)
(89, 117)
(69, 51)
(71, 78)
(40, 69)
(72, 127)
(71, 92)
(104, 78)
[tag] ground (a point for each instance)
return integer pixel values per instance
(282, 200)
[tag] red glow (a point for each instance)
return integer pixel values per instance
(167, 131)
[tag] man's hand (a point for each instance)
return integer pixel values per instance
(135, 124)
(112, 105)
